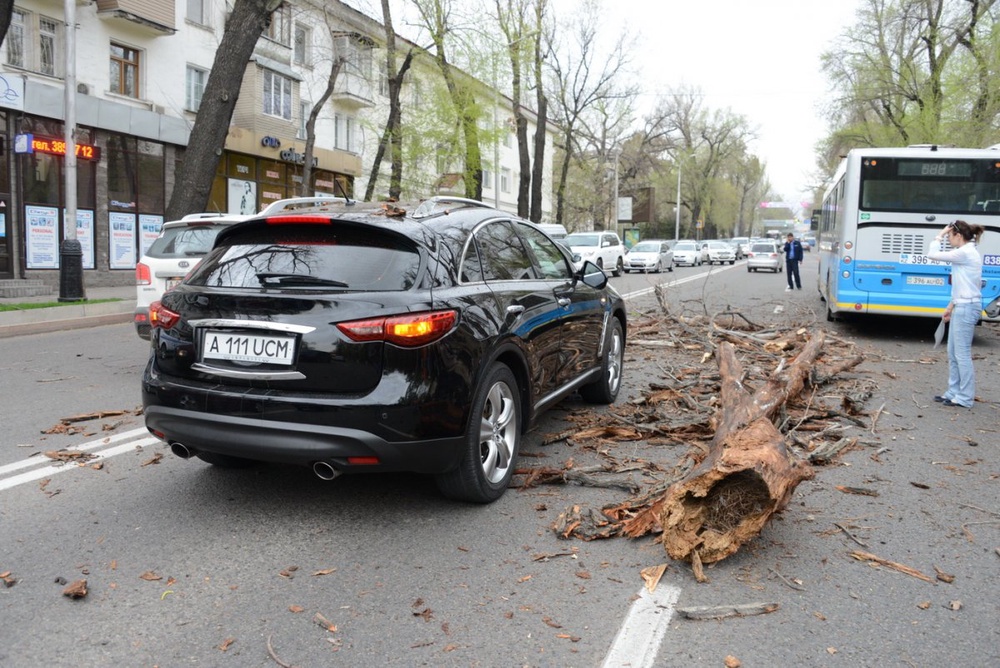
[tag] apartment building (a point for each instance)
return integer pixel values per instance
(141, 69)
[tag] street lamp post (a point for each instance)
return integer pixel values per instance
(70, 250)
(677, 220)
(677, 209)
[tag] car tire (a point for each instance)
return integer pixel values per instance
(670, 267)
(618, 268)
(224, 461)
(657, 269)
(600, 264)
(604, 390)
(492, 440)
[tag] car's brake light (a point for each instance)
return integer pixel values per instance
(143, 276)
(161, 316)
(294, 219)
(406, 330)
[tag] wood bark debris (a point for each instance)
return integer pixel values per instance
(724, 611)
(749, 431)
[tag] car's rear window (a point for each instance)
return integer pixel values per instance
(310, 257)
(184, 241)
(763, 248)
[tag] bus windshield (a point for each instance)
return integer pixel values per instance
(921, 185)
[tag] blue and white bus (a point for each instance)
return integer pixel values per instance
(879, 215)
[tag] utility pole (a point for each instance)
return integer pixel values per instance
(70, 251)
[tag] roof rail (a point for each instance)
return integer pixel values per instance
(204, 216)
(443, 203)
(317, 203)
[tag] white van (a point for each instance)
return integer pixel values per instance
(554, 230)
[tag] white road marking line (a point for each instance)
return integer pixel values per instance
(638, 641)
(679, 281)
(92, 445)
(65, 467)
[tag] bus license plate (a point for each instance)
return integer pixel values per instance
(258, 348)
(925, 280)
(916, 258)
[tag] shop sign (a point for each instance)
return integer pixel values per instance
(289, 155)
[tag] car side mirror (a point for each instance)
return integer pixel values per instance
(592, 275)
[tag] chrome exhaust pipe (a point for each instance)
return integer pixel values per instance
(181, 450)
(325, 470)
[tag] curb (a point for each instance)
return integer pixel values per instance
(40, 321)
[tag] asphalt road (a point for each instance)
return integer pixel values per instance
(188, 565)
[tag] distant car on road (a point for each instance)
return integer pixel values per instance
(764, 255)
(650, 255)
(808, 243)
(605, 249)
(721, 252)
(687, 252)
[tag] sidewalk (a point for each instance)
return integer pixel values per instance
(69, 316)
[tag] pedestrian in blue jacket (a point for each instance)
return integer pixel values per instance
(793, 255)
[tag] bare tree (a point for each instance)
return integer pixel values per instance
(541, 113)
(392, 135)
(583, 84)
(201, 157)
(435, 15)
(337, 60)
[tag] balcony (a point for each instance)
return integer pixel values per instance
(353, 91)
(156, 16)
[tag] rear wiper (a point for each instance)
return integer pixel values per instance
(266, 278)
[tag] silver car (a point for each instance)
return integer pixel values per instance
(687, 252)
(765, 255)
(650, 255)
(721, 252)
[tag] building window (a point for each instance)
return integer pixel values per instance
(277, 95)
(124, 70)
(383, 80)
(33, 43)
(487, 179)
(343, 134)
(304, 109)
(300, 45)
(505, 180)
(280, 28)
(197, 11)
(195, 87)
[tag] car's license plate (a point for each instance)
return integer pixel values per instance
(258, 348)
(925, 280)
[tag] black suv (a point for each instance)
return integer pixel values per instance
(379, 340)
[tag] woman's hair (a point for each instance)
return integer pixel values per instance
(968, 232)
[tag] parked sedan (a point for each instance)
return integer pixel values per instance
(721, 252)
(687, 252)
(764, 255)
(348, 340)
(650, 255)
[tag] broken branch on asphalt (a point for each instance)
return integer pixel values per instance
(738, 419)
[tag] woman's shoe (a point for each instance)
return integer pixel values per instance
(952, 404)
(941, 399)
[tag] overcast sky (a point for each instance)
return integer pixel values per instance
(758, 58)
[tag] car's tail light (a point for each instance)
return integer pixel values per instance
(161, 316)
(406, 330)
(143, 276)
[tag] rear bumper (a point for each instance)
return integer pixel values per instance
(141, 321)
(299, 444)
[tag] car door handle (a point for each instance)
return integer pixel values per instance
(515, 309)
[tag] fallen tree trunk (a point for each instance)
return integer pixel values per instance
(748, 474)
